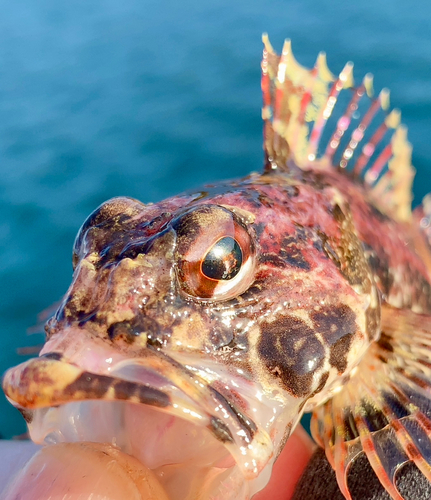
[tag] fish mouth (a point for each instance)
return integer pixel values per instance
(137, 399)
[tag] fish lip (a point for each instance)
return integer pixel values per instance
(51, 380)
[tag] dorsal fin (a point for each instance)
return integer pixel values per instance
(320, 121)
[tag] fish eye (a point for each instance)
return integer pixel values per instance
(223, 260)
(215, 253)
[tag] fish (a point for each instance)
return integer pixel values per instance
(198, 330)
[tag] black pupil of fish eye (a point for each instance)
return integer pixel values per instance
(223, 261)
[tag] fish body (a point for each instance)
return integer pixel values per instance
(225, 313)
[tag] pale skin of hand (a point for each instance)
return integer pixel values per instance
(90, 471)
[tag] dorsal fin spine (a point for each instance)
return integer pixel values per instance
(368, 151)
(344, 80)
(373, 173)
(358, 135)
(344, 122)
(300, 103)
(375, 170)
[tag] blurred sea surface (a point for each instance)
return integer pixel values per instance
(148, 98)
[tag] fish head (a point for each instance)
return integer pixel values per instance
(155, 278)
(197, 330)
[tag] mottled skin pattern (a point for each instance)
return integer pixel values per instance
(299, 314)
(294, 321)
(393, 250)
(310, 299)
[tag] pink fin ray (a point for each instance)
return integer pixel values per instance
(306, 122)
(345, 120)
(384, 410)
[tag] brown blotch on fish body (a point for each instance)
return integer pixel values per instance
(339, 353)
(292, 353)
(334, 322)
(294, 248)
(273, 260)
(295, 257)
(338, 326)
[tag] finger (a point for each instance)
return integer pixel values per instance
(80, 471)
(289, 467)
(14, 455)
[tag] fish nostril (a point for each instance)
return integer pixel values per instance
(147, 330)
(157, 224)
(124, 330)
(135, 248)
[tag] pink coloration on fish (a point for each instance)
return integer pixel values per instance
(198, 330)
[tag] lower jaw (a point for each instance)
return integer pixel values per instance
(188, 461)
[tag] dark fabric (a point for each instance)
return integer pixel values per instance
(318, 481)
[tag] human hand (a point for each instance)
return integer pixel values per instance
(100, 471)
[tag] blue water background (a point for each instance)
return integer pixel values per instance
(148, 98)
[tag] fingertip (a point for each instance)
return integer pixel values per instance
(82, 471)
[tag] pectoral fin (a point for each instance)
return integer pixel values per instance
(384, 409)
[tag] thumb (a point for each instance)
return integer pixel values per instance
(82, 471)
